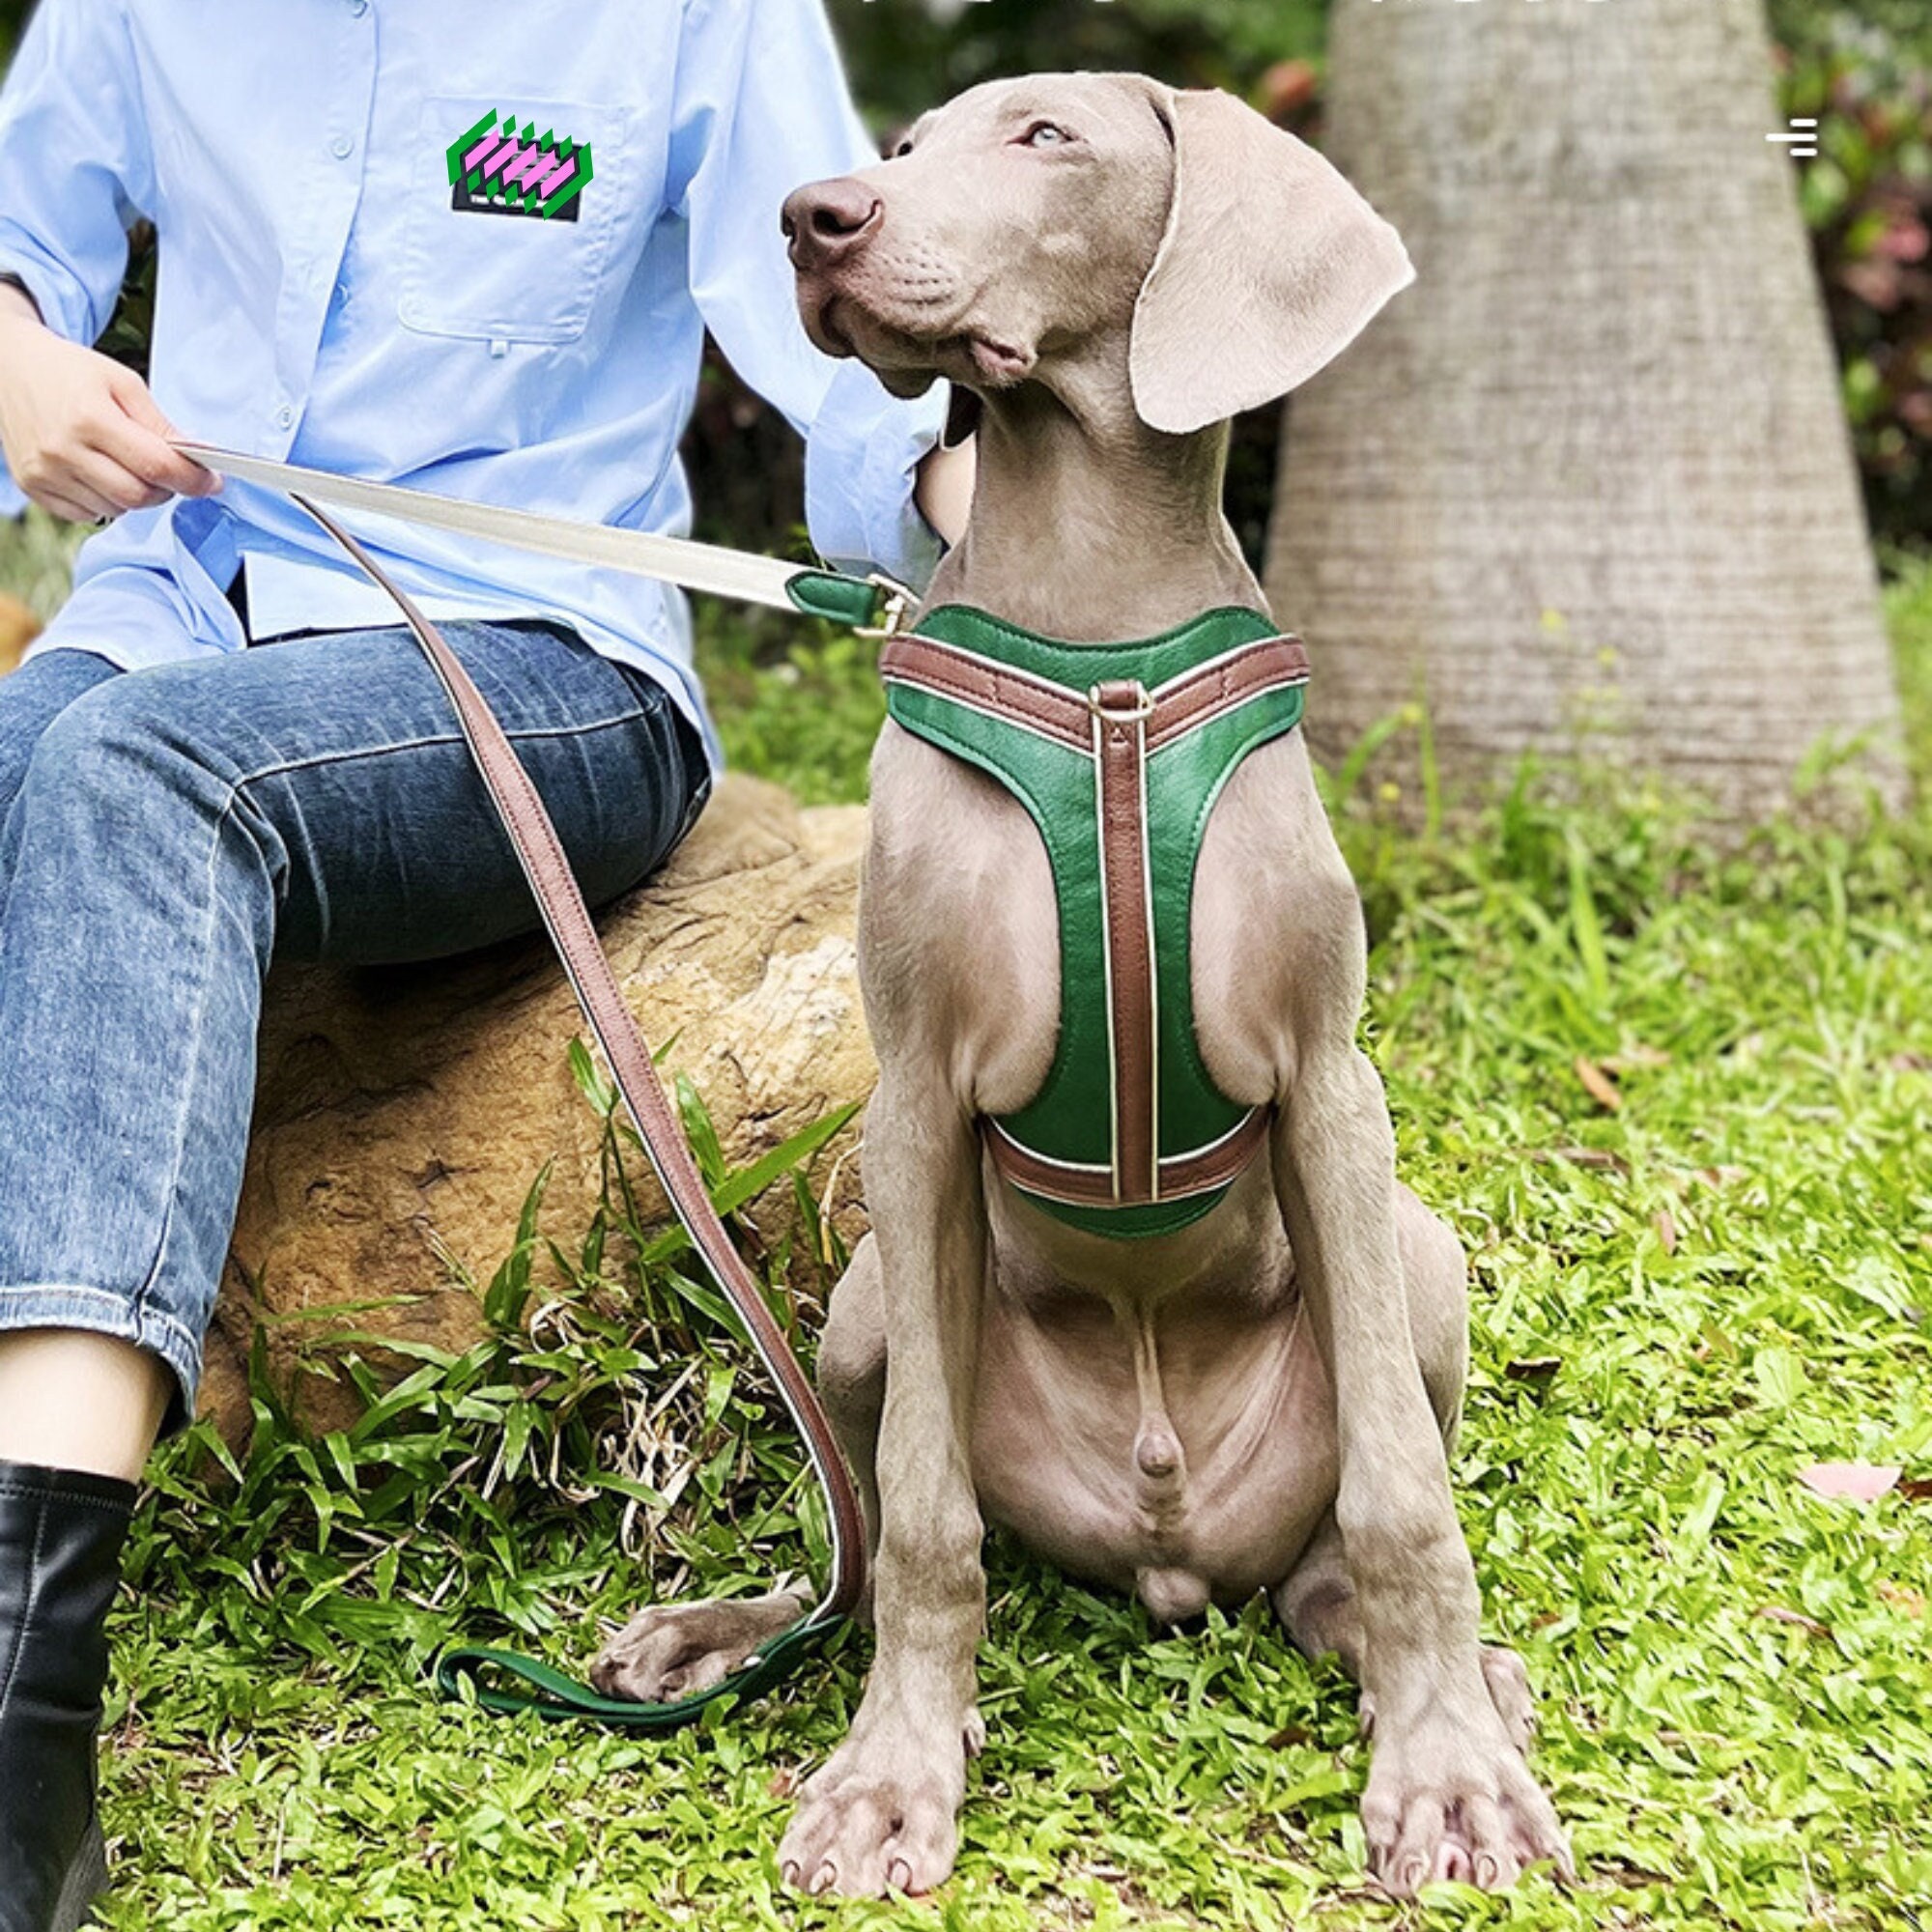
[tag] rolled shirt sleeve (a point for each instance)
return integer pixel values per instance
(762, 108)
(73, 166)
(72, 172)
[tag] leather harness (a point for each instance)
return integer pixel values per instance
(1118, 753)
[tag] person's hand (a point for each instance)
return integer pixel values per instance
(81, 434)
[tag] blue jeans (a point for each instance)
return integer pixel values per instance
(164, 831)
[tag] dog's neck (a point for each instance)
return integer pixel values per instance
(1088, 525)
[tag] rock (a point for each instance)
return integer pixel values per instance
(19, 628)
(402, 1114)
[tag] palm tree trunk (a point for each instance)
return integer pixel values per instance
(1587, 486)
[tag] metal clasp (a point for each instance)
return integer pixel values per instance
(1131, 701)
(898, 604)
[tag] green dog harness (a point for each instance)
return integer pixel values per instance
(1119, 752)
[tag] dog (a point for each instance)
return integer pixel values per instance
(1259, 1399)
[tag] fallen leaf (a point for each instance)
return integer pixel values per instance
(1777, 1613)
(1628, 1873)
(1862, 1482)
(1911, 1062)
(1903, 1596)
(1534, 1369)
(1666, 1230)
(1291, 1737)
(1916, 1489)
(1599, 1085)
(1633, 1058)
(1582, 1157)
(1720, 1177)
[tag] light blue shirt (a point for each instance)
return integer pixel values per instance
(328, 296)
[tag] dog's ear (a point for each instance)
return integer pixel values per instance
(1271, 266)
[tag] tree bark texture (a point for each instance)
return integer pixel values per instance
(1587, 487)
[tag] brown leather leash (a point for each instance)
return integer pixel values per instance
(567, 920)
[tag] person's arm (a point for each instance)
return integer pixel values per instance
(944, 492)
(762, 108)
(80, 433)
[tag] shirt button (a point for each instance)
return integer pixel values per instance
(358, 8)
(342, 147)
(285, 415)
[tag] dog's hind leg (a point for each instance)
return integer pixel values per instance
(676, 1650)
(852, 1381)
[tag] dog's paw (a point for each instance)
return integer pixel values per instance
(879, 1818)
(1452, 1798)
(676, 1650)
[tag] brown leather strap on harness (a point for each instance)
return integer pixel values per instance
(1120, 726)
(1119, 723)
(1050, 709)
(565, 916)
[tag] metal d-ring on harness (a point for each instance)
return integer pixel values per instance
(876, 607)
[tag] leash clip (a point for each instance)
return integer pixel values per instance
(897, 604)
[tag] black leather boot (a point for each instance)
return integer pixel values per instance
(60, 1561)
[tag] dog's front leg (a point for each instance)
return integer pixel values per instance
(1449, 1795)
(881, 1815)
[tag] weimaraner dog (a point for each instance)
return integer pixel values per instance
(1261, 1400)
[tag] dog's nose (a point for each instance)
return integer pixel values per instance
(826, 222)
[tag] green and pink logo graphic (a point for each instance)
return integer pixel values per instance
(498, 168)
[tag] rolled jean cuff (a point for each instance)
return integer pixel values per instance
(97, 1311)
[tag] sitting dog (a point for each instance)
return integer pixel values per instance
(1142, 1285)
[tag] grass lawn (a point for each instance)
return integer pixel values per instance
(1679, 1303)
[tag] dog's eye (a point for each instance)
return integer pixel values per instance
(1044, 135)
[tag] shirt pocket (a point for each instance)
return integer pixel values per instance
(474, 267)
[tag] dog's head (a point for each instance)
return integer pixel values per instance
(1030, 220)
